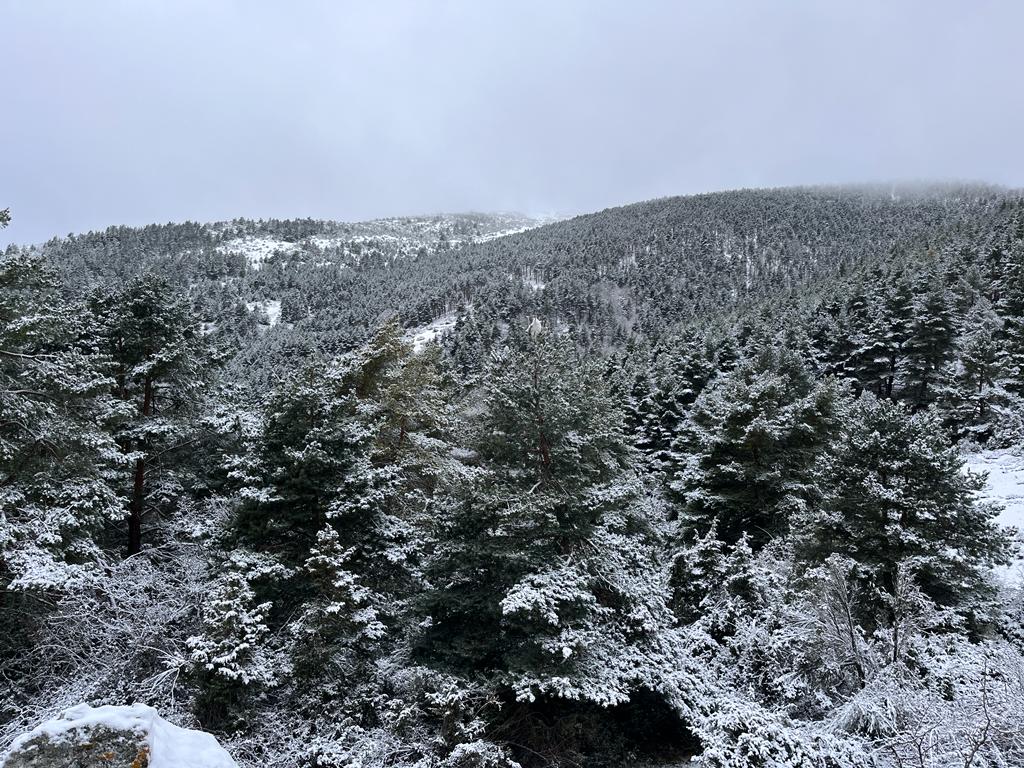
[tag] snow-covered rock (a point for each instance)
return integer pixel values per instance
(114, 737)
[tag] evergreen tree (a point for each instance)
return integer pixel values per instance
(230, 658)
(348, 462)
(679, 375)
(58, 462)
(155, 350)
(974, 397)
(545, 575)
(897, 494)
(1010, 307)
(930, 344)
(747, 454)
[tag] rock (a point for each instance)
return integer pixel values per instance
(114, 737)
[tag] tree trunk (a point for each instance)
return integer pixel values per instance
(135, 508)
(136, 504)
(543, 446)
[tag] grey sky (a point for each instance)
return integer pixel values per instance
(135, 112)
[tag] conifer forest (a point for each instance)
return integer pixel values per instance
(511, 384)
(689, 478)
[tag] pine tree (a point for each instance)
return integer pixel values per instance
(1010, 307)
(899, 308)
(930, 344)
(973, 395)
(897, 494)
(155, 350)
(544, 575)
(753, 438)
(679, 375)
(347, 464)
(58, 461)
(231, 658)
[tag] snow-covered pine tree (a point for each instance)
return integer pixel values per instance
(58, 461)
(930, 343)
(545, 577)
(973, 395)
(346, 469)
(686, 366)
(897, 492)
(1010, 307)
(749, 448)
(230, 657)
(156, 355)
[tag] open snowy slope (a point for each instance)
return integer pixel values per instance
(432, 331)
(1005, 487)
(258, 241)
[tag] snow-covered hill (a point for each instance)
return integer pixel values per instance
(258, 241)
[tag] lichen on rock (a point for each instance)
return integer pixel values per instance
(114, 737)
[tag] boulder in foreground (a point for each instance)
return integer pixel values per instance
(114, 737)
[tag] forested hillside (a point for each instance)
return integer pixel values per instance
(682, 479)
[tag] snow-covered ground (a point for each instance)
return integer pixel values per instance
(257, 249)
(487, 236)
(1005, 487)
(432, 331)
(325, 242)
(533, 281)
(170, 746)
(272, 308)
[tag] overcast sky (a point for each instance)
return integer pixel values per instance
(145, 111)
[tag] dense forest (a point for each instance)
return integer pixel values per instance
(679, 480)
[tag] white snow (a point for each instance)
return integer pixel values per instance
(522, 226)
(1005, 487)
(432, 331)
(170, 746)
(325, 242)
(488, 236)
(272, 308)
(532, 281)
(257, 249)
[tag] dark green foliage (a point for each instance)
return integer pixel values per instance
(709, 501)
(58, 461)
(156, 357)
(747, 454)
(896, 493)
(545, 574)
(930, 345)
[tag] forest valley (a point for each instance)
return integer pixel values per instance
(680, 480)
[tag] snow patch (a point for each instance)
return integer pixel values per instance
(270, 307)
(523, 226)
(532, 280)
(488, 236)
(1005, 487)
(435, 329)
(170, 746)
(257, 249)
(324, 241)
